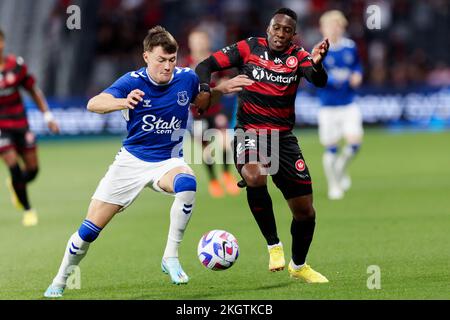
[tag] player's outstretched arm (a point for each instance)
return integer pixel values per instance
(316, 73)
(41, 102)
(236, 84)
(320, 51)
(233, 85)
(105, 102)
(228, 86)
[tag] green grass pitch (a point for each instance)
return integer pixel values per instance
(396, 216)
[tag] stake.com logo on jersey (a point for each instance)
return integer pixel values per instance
(260, 74)
(160, 126)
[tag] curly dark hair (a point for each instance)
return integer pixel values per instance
(287, 12)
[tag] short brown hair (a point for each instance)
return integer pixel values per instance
(158, 36)
(2, 34)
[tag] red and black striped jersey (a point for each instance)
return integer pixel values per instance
(270, 102)
(13, 76)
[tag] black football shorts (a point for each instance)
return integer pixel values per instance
(19, 140)
(280, 155)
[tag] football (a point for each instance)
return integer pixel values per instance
(218, 250)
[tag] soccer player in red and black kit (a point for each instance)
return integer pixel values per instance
(16, 140)
(267, 107)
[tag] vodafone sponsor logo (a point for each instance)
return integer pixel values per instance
(300, 165)
(260, 74)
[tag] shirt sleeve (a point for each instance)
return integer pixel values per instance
(195, 86)
(231, 56)
(27, 80)
(314, 74)
(356, 66)
(121, 88)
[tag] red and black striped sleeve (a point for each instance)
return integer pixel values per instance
(231, 56)
(27, 80)
(316, 74)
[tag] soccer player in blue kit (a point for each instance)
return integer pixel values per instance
(155, 103)
(339, 117)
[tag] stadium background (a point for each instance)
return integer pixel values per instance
(406, 62)
(396, 214)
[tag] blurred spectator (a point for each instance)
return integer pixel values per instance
(440, 76)
(411, 48)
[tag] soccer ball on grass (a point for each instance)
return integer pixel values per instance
(218, 250)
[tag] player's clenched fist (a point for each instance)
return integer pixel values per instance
(133, 98)
(202, 102)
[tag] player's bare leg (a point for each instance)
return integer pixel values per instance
(17, 186)
(228, 179)
(260, 204)
(30, 159)
(10, 158)
(99, 215)
(182, 182)
(351, 149)
(214, 187)
(329, 161)
(302, 231)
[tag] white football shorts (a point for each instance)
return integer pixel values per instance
(127, 176)
(339, 122)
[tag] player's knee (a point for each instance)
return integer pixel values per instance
(88, 231)
(303, 213)
(255, 180)
(31, 174)
(355, 147)
(185, 187)
(184, 182)
(16, 174)
(332, 149)
(253, 176)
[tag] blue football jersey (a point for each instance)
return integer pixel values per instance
(341, 61)
(156, 125)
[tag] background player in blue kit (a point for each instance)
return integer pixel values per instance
(155, 102)
(339, 117)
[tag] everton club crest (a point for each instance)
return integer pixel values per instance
(183, 98)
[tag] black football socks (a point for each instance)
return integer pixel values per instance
(261, 206)
(19, 185)
(302, 232)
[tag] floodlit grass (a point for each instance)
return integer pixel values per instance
(396, 216)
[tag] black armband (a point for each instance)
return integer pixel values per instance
(204, 87)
